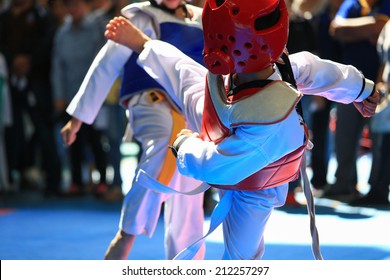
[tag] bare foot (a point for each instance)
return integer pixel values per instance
(122, 31)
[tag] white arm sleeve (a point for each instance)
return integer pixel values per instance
(103, 72)
(332, 80)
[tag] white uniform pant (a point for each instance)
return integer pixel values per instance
(152, 122)
(243, 227)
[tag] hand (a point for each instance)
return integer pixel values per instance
(368, 106)
(181, 137)
(188, 132)
(122, 31)
(69, 131)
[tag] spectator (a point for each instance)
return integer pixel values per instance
(356, 27)
(379, 180)
(154, 119)
(328, 48)
(5, 120)
(302, 37)
(104, 10)
(76, 43)
(25, 41)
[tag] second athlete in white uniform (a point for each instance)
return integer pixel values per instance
(154, 120)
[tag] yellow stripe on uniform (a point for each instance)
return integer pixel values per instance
(366, 9)
(178, 123)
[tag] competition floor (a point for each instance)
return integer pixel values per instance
(33, 228)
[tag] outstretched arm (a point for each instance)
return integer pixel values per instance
(122, 31)
(182, 78)
(316, 76)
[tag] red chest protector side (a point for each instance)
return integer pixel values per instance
(212, 126)
(282, 171)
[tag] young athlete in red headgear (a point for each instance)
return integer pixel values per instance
(251, 137)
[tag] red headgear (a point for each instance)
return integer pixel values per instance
(243, 35)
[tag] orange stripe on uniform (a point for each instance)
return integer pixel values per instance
(366, 9)
(169, 165)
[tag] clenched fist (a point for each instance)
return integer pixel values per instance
(367, 106)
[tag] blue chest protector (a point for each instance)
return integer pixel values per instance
(188, 39)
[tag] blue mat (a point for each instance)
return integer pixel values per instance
(81, 229)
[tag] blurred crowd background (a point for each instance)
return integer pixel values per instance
(47, 46)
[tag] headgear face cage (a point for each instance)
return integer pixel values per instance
(243, 35)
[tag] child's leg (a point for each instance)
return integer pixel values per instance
(120, 246)
(244, 226)
(184, 217)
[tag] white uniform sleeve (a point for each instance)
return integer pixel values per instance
(104, 70)
(332, 80)
(102, 73)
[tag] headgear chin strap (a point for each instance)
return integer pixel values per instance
(243, 35)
